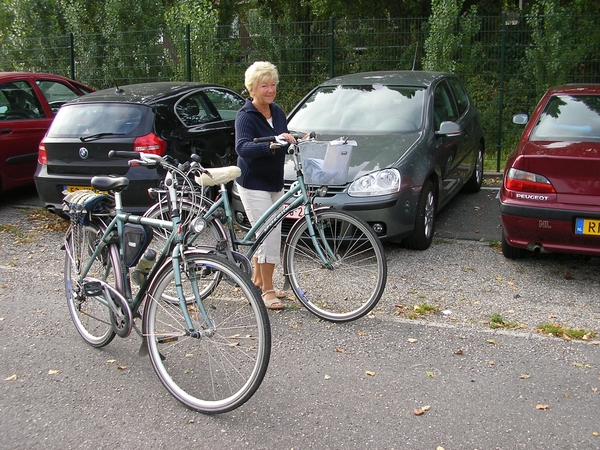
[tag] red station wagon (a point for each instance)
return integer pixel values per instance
(550, 197)
(28, 103)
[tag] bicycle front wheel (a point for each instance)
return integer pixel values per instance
(218, 365)
(352, 279)
(91, 314)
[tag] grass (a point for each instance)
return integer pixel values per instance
(562, 331)
(497, 321)
(422, 310)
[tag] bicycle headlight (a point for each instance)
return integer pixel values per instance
(386, 181)
(198, 225)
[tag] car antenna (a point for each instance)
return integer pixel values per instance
(415, 58)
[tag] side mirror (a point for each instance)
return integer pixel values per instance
(449, 129)
(520, 119)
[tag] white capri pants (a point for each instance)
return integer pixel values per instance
(256, 203)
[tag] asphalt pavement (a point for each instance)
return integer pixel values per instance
(384, 381)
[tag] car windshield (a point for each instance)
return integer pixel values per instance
(101, 120)
(569, 118)
(367, 109)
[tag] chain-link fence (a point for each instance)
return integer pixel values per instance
(507, 61)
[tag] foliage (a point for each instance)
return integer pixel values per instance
(506, 61)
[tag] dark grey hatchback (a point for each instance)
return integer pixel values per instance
(166, 118)
(419, 142)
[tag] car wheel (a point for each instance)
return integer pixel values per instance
(511, 252)
(425, 220)
(474, 182)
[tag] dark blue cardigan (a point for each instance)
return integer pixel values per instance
(261, 169)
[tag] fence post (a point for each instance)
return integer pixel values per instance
(188, 53)
(501, 90)
(72, 56)
(331, 49)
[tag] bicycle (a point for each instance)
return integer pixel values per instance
(332, 260)
(209, 341)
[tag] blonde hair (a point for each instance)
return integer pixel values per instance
(258, 72)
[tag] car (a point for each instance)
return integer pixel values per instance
(28, 103)
(550, 195)
(419, 142)
(176, 119)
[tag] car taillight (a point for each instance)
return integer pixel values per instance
(150, 143)
(520, 180)
(42, 155)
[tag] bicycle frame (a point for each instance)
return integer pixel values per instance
(273, 216)
(175, 241)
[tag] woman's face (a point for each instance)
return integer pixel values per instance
(265, 91)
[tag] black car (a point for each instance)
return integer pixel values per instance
(166, 118)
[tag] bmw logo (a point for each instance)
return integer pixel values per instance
(83, 153)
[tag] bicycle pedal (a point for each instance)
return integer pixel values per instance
(92, 288)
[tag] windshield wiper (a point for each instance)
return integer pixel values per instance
(98, 135)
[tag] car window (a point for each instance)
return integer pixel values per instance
(444, 108)
(462, 100)
(194, 110)
(19, 102)
(122, 119)
(56, 93)
(369, 109)
(227, 103)
(568, 118)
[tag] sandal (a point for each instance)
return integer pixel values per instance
(273, 303)
(280, 294)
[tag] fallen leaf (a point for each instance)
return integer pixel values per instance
(491, 341)
(413, 341)
(524, 376)
(327, 377)
(111, 361)
(425, 408)
(121, 367)
(339, 350)
(11, 378)
(541, 407)
(370, 373)
(458, 352)
(418, 412)
(595, 433)
(52, 372)
(361, 333)
(430, 374)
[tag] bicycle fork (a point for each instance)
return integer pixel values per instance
(191, 273)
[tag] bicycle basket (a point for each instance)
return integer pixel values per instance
(136, 239)
(326, 163)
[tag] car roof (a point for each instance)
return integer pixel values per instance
(143, 93)
(575, 88)
(393, 77)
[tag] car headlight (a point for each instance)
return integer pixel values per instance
(386, 181)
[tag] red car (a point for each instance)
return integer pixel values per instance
(28, 103)
(550, 197)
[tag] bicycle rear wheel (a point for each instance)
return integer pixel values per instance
(91, 314)
(223, 367)
(357, 273)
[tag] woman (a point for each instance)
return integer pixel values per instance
(261, 182)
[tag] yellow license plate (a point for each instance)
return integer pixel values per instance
(587, 226)
(82, 188)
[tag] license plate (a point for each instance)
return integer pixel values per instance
(295, 214)
(82, 188)
(587, 226)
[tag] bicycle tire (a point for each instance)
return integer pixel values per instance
(221, 370)
(357, 276)
(91, 317)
